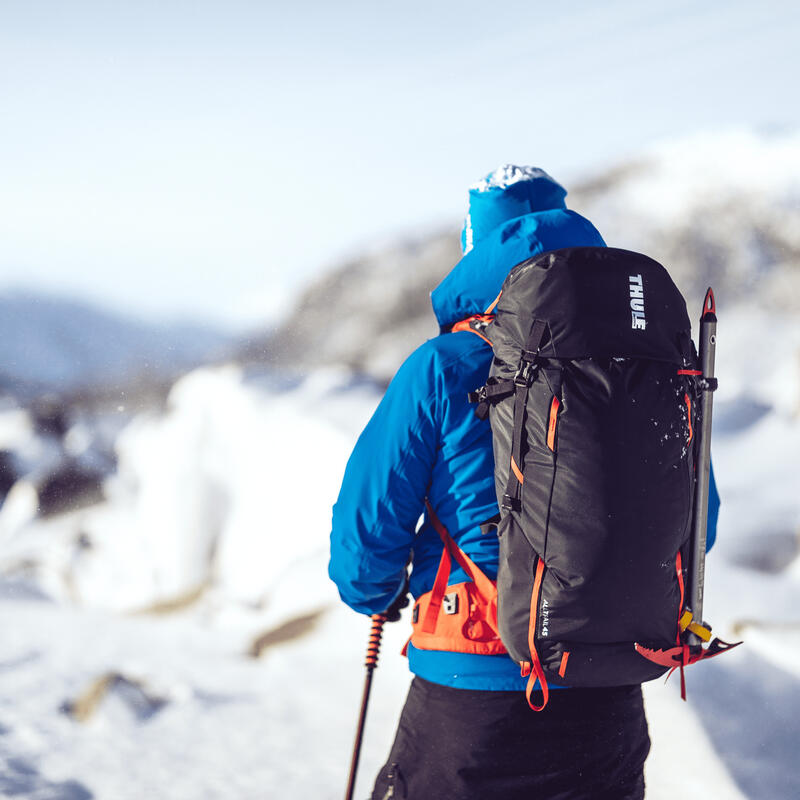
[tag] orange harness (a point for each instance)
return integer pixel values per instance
(461, 618)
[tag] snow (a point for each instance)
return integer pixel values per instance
(693, 171)
(507, 175)
(215, 531)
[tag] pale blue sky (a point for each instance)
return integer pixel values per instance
(204, 158)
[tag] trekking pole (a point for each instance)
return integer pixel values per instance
(373, 648)
(708, 383)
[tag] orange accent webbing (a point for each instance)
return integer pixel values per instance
(690, 372)
(689, 416)
(562, 668)
(679, 571)
(465, 325)
(473, 628)
(485, 587)
(551, 427)
(534, 670)
(516, 470)
(494, 303)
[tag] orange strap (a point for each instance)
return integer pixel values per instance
(494, 303)
(466, 324)
(534, 670)
(551, 426)
(562, 668)
(679, 571)
(484, 587)
(689, 416)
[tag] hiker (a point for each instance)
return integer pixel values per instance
(466, 730)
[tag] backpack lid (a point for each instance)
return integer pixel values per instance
(598, 302)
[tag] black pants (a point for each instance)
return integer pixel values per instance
(461, 744)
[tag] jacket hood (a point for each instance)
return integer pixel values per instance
(507, 193)
(475, 281)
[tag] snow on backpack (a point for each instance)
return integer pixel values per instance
(593, 399)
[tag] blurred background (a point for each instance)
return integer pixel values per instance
(219, 227)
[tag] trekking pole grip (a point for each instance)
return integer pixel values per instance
(374, 644)
(373, 649)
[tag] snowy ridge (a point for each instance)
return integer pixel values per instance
(143, 608)
(210, 509)
(717, 209)
(60, 345)
(714, 209)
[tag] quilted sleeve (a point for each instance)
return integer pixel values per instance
(384, 488)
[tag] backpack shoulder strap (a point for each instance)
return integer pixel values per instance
(476, 324)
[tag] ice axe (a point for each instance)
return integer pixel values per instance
(707, 385)
(695, 642)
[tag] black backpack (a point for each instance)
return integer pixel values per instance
(592, 399)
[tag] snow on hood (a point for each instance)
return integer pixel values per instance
(507, 193)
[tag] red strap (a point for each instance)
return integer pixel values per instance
(484, 587)
(690, 372)
(537, 674)
(679, 571)
(676, 656)
(494, 303)
(536, 671)
(684, 662)
(551, 426)
(562, 668)
(688, 401)
(466, 324)
(437, 594)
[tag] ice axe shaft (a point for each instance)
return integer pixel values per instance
(373, 649)
(708, 383)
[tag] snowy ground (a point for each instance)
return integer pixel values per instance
(216, 532)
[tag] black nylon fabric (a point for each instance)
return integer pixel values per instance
(461, 744)
(609, 506)
(584, 294)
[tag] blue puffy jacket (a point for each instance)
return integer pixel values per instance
(425, 441)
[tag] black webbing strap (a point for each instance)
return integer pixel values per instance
(522, 380)
(490, 526)
(488, 394)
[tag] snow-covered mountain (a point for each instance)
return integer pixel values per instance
(367, 314)
(60, 345)
(721, 210)
(130, 619)
(214, 530)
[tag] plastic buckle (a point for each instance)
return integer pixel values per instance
(450, 603)
(525, 373)
(510, 503)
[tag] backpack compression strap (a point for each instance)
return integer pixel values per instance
(522, 381)
(533, 669)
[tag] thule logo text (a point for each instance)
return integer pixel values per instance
(636, 287)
